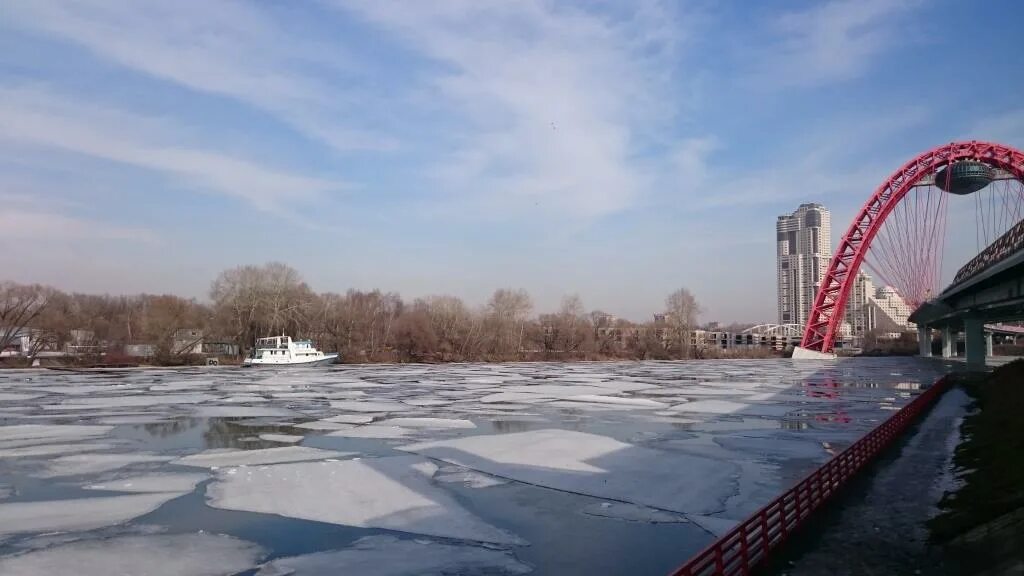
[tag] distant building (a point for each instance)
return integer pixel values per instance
(140, 350)
(804, 249)
(187, 341)
(875, 309)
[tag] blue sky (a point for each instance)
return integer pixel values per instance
(614, 150)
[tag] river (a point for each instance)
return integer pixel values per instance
(521, 468)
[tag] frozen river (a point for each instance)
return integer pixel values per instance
(608, 468)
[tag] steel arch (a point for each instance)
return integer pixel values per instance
(830, 301)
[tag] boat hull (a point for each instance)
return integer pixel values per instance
(327, 360)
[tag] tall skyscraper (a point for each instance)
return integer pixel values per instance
(804, 243)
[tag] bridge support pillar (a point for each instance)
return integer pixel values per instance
(974, 342)
(948, 342)
(924, 341)
(988, 344)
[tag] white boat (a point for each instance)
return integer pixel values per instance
(283, 351)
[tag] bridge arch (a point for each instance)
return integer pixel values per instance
(834, 290)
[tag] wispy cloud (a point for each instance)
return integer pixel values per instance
(220, 47)
(36, 118)
(552, 105)
(830, 42)
(35, 225)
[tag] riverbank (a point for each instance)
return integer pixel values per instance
(981, 526)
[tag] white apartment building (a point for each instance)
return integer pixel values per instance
(804, 249)
(879, 309)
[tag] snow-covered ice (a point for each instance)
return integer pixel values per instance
(154, 555)
(369, 406)
(441, 423)
(78, 464)
(78, 513)
(165, 482)
(595, 465)
(618, 401)
(227, 457)
(48, 432)
(282, 438)
(395, 493)
(379, 432)
(389, 556)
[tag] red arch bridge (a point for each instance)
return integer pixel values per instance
(900, 235)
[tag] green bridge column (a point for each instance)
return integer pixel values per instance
(924, 341)
(948, 342)
(974, 342)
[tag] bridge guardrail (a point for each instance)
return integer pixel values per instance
(751, 542)
(1009, 243)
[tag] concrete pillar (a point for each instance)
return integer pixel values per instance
(988, 344)
(974, 342)
(924, 341)
(948, 344)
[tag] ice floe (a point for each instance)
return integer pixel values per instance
(381, 432)
(618, 401)
(283, 438)
(369, 406)
(47, 432)
(394, 493)
(428, 423)
(51, 449)
(78, 464)
(632, 513)
(390, 556)
(152, 555)
(77, 513)
(594, 465)
(166, 482)
(228, 457)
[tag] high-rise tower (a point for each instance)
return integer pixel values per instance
(804, 248)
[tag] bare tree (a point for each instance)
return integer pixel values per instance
(508, 311)
(20, 306)
(252, 301)
(681, 311)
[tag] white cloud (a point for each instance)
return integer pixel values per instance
(1005, 128)
(554, 105)
(23, 224)
(37, 118)
(830, 42)
(220, 47)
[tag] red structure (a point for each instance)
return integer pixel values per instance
(830, 302)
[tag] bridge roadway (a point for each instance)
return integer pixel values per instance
(980, 295)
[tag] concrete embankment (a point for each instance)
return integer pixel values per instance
(947, 499)
(981, 526)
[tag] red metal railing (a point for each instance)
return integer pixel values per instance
(750, 543)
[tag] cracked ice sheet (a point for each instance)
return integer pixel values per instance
(376, 432)
(228, 457)
(157, 555)
(45, 433)
(243, 412)
(16, 396)
(593, 465)
(283, 438)
(727, 407)
(152, 483)
(77, 464)
(129, 401)
(369, 406)
(394, 493)
(618, 401)
(51, 449)
(558, 390)
(427, 423)
(390, 556)
(78, 513)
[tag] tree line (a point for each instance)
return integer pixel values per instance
(248, 302)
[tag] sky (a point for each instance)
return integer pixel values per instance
(613, 150)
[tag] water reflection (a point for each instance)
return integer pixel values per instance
(170, 427)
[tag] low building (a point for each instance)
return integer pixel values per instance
(187, 341)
